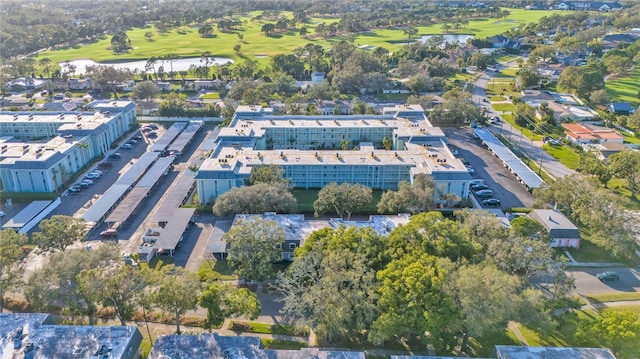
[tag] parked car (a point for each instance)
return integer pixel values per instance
(126, 146)
(98, 172)
(87, 181)
(132, 141)
(92, 176)
(105, 164)
(152, 134)
(75, 188)
(607, 276)
(470, 169)
(485, 193)
(478, 187)
(476, 181)
(83, 185)
(109, 233)
(491, 202)
(137, 137)
(2, 214)
(115, 156)
(152, 126)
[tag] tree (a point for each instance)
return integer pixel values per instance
(145, 90)
(267, 28)
(542, 52)
(303, 32)
(259, 198)
(10, 253)
(486, 298)
(599, 97)
(612, 328)
(236, 49)
(46, 65)
(409, 198)
(412, 303)
(410, 31)
(331, 290)
(387, 143)
(108, 77)
(529, 77)
(57, 284)
(176, 291)
(59, 232)
(344, 199)
(253, 248)
(120, 41)
(149, 36)
(271, 174)
(205, 30)
(626, 165)
(117, 286)
(223, 301)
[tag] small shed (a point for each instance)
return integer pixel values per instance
(562, 231)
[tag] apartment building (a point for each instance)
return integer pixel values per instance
(377, 151)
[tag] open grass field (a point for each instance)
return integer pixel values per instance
(625, 89)
(185, 41)
(503, 107)
(564, 334)
(564, 154)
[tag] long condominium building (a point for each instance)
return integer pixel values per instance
(378, 151)
(39, 151)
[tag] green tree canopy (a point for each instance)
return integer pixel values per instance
(176, 291)
(344, 199)
(253, 247)
(10, 253)
(259, 198)
(223, 301)
(59, 232)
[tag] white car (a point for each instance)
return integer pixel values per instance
(92, 176)
(2, 214)
(470, 169)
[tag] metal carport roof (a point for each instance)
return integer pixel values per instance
(129, 204)
(105, 203)
(172, 232)
(27, 214)
(186, 136)
(155, 172)
(175, 197)
(163, 142)
(526, 174)
(138, 169)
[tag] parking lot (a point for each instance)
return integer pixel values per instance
(504, 185)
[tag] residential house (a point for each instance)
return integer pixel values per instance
(588, 6)
(317, 77)
(25, 83)
(583, 134)
(607, 149)
(499, 41)
(563, 233)
(568, 113)
(620, 108)
(164, 86)
(79, 84)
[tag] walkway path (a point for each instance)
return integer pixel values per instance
(533, 149)
(513, 326)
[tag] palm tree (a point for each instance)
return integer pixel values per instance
(46, 66)
(84, 146)
(345, 144)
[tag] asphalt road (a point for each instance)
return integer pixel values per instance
(587, 283)
(503, 183)
(533, 149)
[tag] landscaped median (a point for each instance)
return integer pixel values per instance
(614, 297)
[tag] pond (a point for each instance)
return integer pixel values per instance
(139, 66)
(450, 38)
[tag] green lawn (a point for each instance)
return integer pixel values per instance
(215, 270)
(306, 198)
(485, 346)
(497, 98)
(564, 334)
(525, 131)
(282, 344)
(211, 96)
(185, 42)
(264, 328)
(566, 155)
(613, 297)
(589, 252)
(503, 107)
(631, 139)
(625, 89)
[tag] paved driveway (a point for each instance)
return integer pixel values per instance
(587, 283)
(503, 183)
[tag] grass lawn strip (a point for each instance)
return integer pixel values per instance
(282, 344)
(614, 297)
(564, 154)
(264, 328)
(625, 89)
